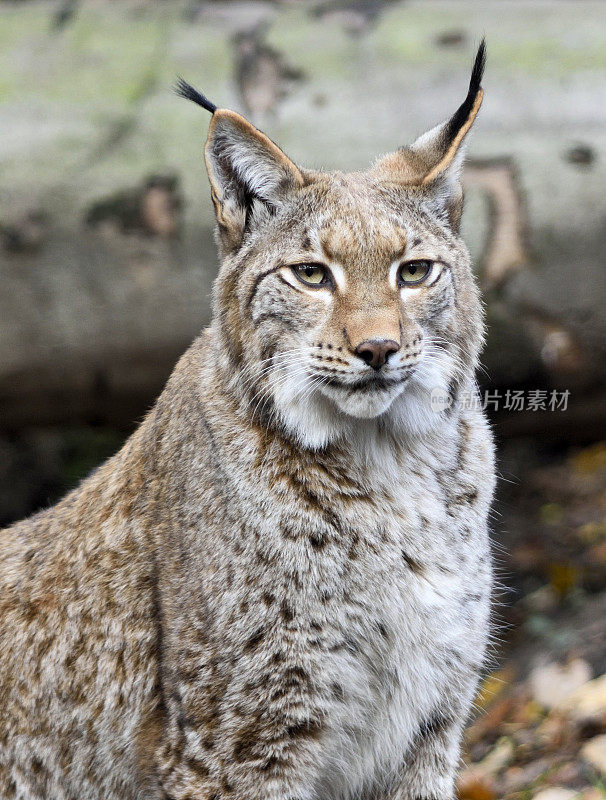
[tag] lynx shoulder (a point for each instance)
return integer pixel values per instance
(280, 586)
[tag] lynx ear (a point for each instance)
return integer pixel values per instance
(249, 175)
(433, 163)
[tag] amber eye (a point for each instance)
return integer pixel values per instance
(413, 272)
(312, 274)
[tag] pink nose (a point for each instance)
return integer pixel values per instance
(375, 352)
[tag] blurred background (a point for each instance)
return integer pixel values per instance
(107, 260)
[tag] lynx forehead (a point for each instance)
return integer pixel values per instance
(279, 588)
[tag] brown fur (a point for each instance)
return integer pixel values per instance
(265, 593)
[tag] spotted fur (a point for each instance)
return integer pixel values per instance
(279, 588)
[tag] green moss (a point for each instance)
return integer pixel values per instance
(321, 48)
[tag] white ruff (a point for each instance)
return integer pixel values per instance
(317, 414)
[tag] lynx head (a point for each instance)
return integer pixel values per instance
(343, 297)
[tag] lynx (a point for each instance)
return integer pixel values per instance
(279, 588)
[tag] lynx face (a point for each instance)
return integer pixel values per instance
(343, 297)
(348, 305)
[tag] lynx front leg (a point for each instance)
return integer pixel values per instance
(187, 779)
(239, 757)
(430, 769)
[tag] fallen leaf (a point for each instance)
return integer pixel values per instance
(472, 786)
(552, 732)
(590, 459)
(592, 793)
(551, 684)
(490, 721)
(587, 703)
(520, 778)
(563, 577)
(592, 532)
(498, 758)
(594, 752)
(567, 773)
(555, 793)
(551, 513)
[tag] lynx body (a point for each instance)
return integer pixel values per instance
(280, 587)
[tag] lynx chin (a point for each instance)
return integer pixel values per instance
(279, 588)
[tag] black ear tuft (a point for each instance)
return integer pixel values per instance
(461, 115)
(184, 89)
(477, 72)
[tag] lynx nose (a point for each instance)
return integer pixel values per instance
(375, 352)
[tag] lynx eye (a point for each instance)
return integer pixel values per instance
(413, 272)
(312, 274)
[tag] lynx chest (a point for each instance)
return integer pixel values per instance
(374, 607)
